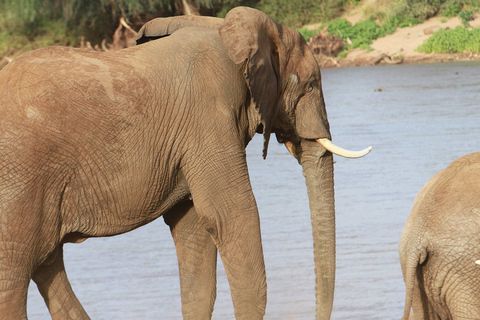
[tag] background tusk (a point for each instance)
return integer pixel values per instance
(291, 148)
(330, 146)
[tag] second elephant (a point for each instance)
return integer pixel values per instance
(439, 246)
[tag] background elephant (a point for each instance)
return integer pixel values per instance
(439, 245)
(97, 144)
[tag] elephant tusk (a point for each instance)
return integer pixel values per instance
(477, 262)
(290, 148)
(330, 146)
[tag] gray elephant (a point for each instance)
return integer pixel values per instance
(97, 144)
(439, 248)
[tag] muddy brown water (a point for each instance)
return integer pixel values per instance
(424, 117)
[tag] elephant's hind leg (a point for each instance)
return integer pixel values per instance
(55, 288)
(197, 260)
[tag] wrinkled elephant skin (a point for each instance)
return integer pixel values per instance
(439, 245)
(97, 144)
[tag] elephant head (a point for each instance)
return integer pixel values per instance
(284, 85)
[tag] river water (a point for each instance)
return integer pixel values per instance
(424, 117)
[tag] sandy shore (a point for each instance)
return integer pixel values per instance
(400, 46)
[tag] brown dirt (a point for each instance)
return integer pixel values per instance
(400, 46)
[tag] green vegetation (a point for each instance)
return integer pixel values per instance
(47, 22)
(389, 15)
(48, 34)
(308, 33)
(29, 24)
(459, 39)
(360, 35)
(297, 13)
(466, 16)
(416, 11)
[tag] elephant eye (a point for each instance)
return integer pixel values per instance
(309, 87)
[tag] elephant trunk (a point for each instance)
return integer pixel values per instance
(318, 171)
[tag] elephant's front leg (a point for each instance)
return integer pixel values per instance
(55, 288)
(197, 260)
(226, 206)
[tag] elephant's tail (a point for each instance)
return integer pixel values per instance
(409, 277)
(411, 257)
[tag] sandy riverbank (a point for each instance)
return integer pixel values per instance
(400, 46)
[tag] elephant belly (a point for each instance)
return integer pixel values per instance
(108, 211)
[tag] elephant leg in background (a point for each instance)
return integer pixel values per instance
(17, 258)
(13, 295)
(197, 260)
(55, 288)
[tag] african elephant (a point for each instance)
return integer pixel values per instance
(97, 144)
(191, 263)
(439, 245)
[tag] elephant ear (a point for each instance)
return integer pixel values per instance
(163, 27)
(251, 36)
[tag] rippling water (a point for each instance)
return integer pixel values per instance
(424, 117)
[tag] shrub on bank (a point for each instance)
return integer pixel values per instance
(308, 33)
(359, 35)
(459, 39)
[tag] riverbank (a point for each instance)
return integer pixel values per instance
(400, 47)
(397, 48)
